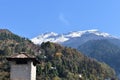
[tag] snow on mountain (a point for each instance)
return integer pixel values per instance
(52, 37)
(94, 31)
(60, 38)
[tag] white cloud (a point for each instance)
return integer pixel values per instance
(63, 19)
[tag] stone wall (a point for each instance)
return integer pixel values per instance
(23, 71)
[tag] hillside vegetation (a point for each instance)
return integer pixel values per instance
(57, 62)
(104, 51)
(68, 64)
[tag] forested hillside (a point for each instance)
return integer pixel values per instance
(67, 64)
(11, 43)
(103, 50)
(56, 62)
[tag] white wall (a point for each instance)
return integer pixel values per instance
(23, 71)
(33, 71)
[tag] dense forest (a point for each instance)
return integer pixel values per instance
(56, 62)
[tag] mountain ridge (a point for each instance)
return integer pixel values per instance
(85, 42)
(61, 38)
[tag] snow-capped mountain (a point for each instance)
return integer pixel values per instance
(52, 37)
(62, 38)
(93, 43)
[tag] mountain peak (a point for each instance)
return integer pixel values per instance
(92, 31)
(60, 38)
(97, 32)
(48, 34)
(80, 33)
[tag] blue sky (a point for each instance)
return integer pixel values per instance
(29, 18)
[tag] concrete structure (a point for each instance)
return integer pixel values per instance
(23, 67)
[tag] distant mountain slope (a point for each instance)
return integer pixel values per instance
(102, 50)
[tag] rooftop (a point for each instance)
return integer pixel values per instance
(21, 55)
